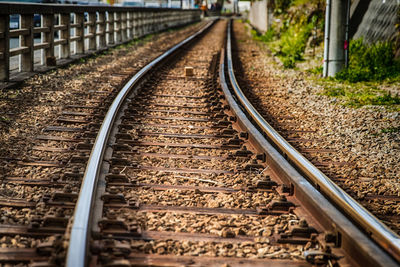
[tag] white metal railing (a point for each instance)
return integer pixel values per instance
(43, 34)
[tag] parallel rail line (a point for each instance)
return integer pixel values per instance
(369, 223)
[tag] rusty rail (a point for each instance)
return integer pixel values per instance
(71, 31)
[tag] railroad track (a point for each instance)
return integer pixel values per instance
(306, 131)
(178, 175)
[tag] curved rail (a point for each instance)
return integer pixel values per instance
(77, 250)
(369, 223)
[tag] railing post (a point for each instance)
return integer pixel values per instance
(102, 29)
(80, 32)
(26, 59)
(124, 28)
(164, 19)
(137, 24)
(151, 22)
(148, 22)
(4, 47)
(65, 20)
(160, 21)
(130, 25)
(176, 18)
(110, 28)
(92, 31)
(145, 22)
(168, 16)
(48, 57)
(142, 24)
(155, 21)
(118, 27)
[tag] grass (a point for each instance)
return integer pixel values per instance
(266, 37)
(359, 99)
(317, 70)
(391, 130)
(361, 95)
(4, 119)
(334, 91)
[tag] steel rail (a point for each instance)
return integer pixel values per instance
(379, 232)
(77, 249)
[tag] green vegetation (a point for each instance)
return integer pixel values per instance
(391, 130)
(300, 23)
(299, 26)
(281, 6)
(373, 62)
(362, 95)
(292, 44)
(288, 36)
(317, 70)
(4, 119)
(266, 37)
(334, 91)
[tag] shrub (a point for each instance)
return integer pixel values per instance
(288, 36)
(373, 62)
(281, 6)
(293, 43)
(267, 37)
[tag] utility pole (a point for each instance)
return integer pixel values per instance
(335, 36)
(326, 36)
(346, 37)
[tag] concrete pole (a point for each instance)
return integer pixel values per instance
(346, 37)
(337, 34)
(326, 36)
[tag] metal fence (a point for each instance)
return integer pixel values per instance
(34, 36)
